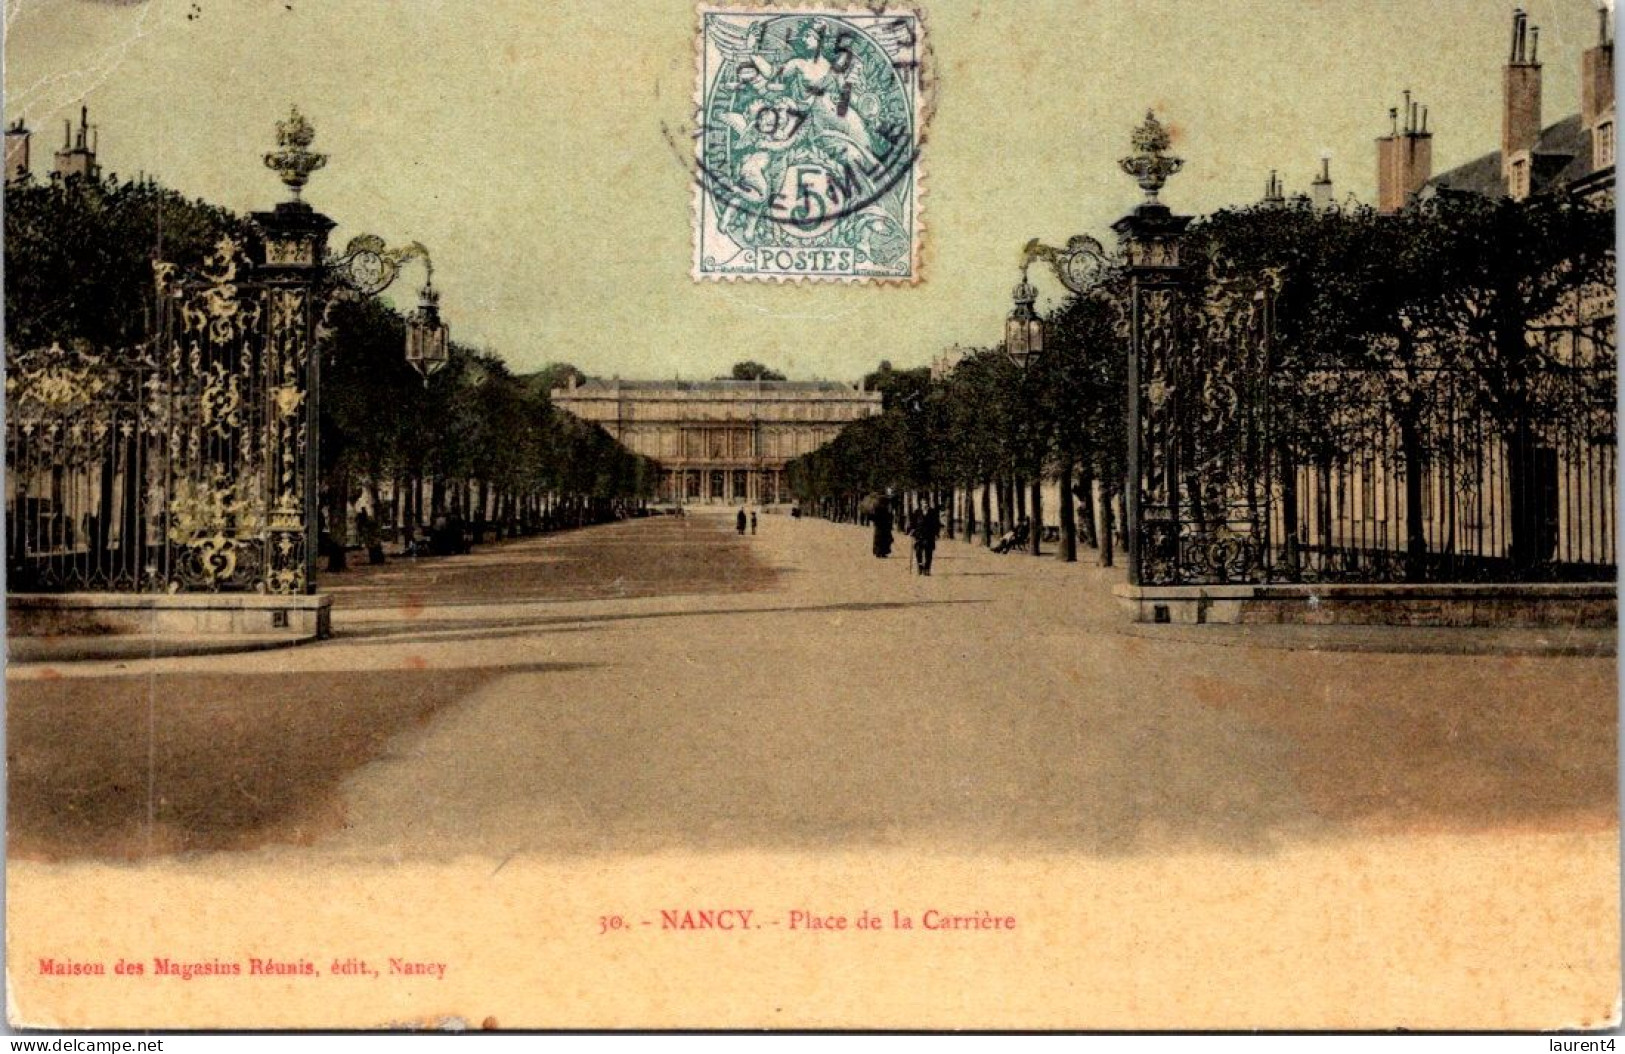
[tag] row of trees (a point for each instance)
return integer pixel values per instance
(1302, 327)
(477, 441)
(979, 440)
(1422, 340)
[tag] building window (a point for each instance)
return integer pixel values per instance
(1520, 179)
(1603, 154)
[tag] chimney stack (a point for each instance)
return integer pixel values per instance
(18, 138)
(1320, 192)
(1597, 93)
(1273, 192)
(1404, 157)
(1520, 110)
(78, 156)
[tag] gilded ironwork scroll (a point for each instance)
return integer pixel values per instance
(180, 466)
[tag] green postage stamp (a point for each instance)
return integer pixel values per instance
(808, 147)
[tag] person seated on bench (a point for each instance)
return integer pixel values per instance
(1014, 538)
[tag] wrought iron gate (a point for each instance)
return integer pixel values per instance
(1243, 472)
(82, 428)
(187, 465)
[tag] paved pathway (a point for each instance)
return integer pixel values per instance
(815, 723)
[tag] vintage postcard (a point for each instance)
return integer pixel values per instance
(1039, 515)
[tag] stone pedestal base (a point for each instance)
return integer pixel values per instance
(1590, 604)
(300, 618)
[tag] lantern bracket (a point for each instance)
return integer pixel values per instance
(368, 266)
(1081, 266)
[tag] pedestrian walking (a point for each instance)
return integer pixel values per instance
(753, 523)
(882, 522)
(739, 521)
(926, 530)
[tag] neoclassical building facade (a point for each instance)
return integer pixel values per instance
(719, 442)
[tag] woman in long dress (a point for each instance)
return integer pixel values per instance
(882, 520)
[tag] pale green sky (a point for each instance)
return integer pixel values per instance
(523, 142)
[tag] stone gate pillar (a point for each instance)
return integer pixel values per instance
(294, 241)
(1150, 239)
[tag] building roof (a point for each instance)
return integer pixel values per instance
(1562, 155)
(599, 384)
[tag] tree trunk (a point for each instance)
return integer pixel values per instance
(1085, 493)
(1107, 526)
(1068, 552)
(395, 525)
(102, 533)
(1036, 540)
(1532, 539)
(1416, 542)
(337, 513)
(987, 515)
(1195, 503)
(1323, 512)
(1289, 512)
(132, 525)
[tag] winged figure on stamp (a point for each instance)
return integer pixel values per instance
(793, 91)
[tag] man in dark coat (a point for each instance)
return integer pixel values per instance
(739, 522)
(882, 522)
(926, 529)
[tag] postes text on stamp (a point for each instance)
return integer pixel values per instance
(809, 144)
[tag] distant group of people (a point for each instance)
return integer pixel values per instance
(739, 522)
(448, 534)
(925, 530)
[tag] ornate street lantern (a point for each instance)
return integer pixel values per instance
(368, 267)
(1024, 331)
(1024, 343)
(428, 339)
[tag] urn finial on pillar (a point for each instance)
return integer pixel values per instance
(295, 235)
(294, 161)
(1151, 164)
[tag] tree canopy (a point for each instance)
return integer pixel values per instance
(1342, 322)
(79, 260)
(751, 370)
